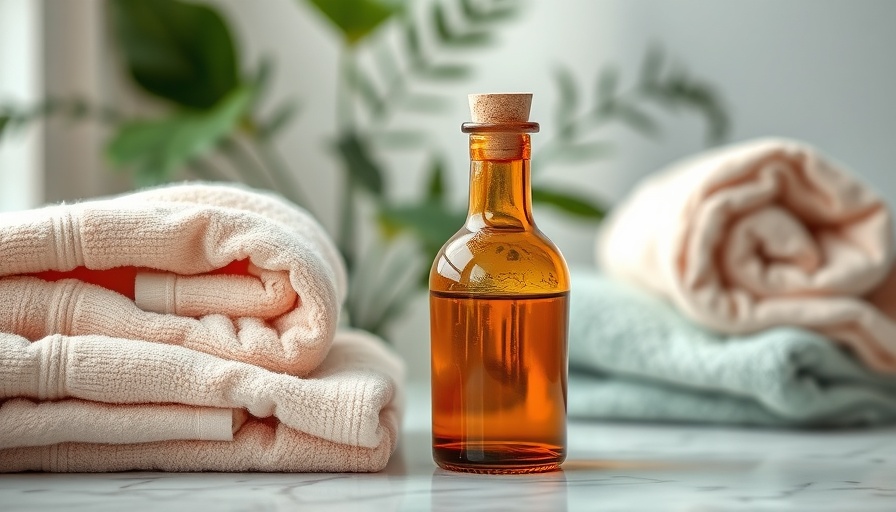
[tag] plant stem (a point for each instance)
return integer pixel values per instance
(78, 108)
(345, 115)
(346, 240)
(395, 86)
(249, 170)
(67, 108)
(205, 170)
(268, 164)
(283, 176)
(592, 119)
(346, 119)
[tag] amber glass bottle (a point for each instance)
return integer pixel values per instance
(498, 303)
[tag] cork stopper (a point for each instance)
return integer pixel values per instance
(500, 108)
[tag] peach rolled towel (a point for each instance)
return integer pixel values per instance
(762, 234)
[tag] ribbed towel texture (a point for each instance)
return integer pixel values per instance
(219, 322)
(763, 234)
(633, 356)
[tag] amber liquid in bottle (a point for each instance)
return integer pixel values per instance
(498, 302)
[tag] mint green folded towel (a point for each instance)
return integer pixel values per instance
(634, 357)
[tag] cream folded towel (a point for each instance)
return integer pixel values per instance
(211, 303)
(26, 423)
(281, 315)
(342, 417)
(763, 234)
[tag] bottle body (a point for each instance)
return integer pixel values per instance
(498, 303)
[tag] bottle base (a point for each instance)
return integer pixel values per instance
(495, 470)
(498, 458)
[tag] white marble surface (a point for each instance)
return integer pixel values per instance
(610, 467)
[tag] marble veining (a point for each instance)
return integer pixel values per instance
(611, 466)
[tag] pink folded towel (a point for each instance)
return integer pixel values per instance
(185, 328)
(763, 234)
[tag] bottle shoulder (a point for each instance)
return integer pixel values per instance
(499, 261)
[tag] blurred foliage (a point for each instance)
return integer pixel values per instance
(157, 148)
(180, 52)
(660, 83)
(451, 28)
(185, 55)
(14, 118)
(355, 19)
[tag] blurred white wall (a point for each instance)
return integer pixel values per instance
(20, 82)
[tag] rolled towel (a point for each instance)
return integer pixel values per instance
(344, 416)
(763, 234)
(633, 356)
(224, 270)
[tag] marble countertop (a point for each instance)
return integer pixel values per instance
(611, 466)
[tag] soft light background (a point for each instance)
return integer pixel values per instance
(817, 70)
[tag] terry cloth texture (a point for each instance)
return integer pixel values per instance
(220, 352)
(633, 356)
(763, 234)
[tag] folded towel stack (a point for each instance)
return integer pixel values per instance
(185, 328)
(741, 241)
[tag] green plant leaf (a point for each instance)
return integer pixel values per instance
(281, 117)
(367, 91)
(355, 19)
(4, 121)
(359, 163)
(567, 202)
(399, 139)
(607, 84)
(569, 91)
(261, 79)
(652, 66)
(445, 71)
(450, 36)
(490, 12)
(412, 42)
(435, 190)
(178, 51)
(424, 103)
(386, 63)
(432, 223)
(157, 148)
(705, 100)
(636, 118)
(452, 24)
(569, 100)
(13, 119)
(581, 152)
(384, 282)
(678, 90)
(79, 109)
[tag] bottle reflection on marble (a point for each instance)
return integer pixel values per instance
(452, 491)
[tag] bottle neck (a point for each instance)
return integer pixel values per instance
(500, 191)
